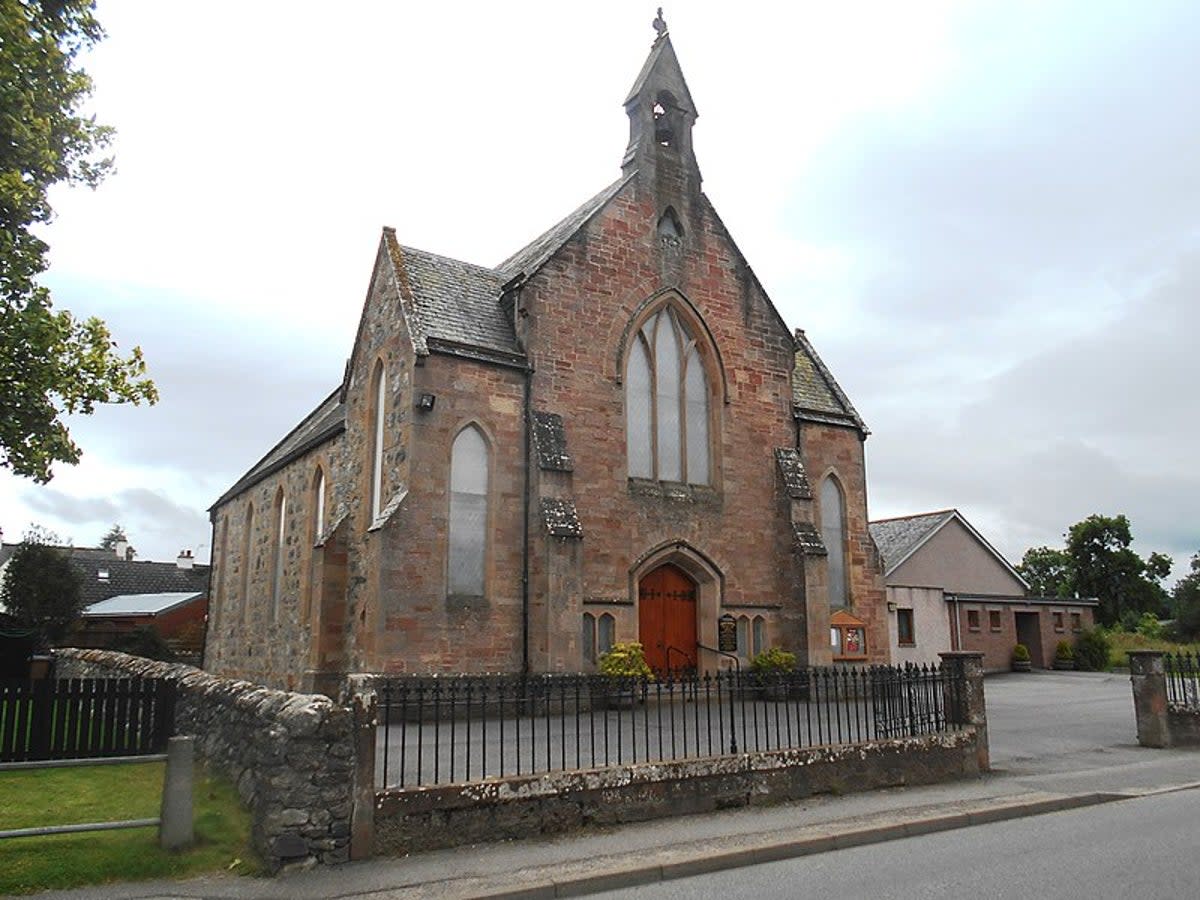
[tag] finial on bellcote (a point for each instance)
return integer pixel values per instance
(660, 24)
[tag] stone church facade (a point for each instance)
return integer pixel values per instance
(610, 436)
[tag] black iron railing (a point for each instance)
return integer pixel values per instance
(455, 729)
(1183, 679)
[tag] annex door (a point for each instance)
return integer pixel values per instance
(667, 618)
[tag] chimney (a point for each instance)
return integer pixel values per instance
(184, 560)
(120, 547)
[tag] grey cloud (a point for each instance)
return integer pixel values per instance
(150, 518)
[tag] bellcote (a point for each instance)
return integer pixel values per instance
(661, 114)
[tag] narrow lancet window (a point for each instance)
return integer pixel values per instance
(468, 513)
(380, 411)
(833, 533)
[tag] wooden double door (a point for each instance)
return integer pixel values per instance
(667, 618)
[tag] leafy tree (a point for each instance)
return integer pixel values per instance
(1047, 570)
(51, 363)
(1098, 562)
(1104, 566)
(1185, 602)
(41, 589)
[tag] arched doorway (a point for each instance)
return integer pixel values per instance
(667, 618)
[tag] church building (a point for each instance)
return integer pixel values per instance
(610, 436)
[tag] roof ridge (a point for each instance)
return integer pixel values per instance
(935, 512)
(408, 248)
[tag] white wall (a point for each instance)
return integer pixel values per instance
(931, 624)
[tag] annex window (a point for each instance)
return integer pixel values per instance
(833, 536)
(378, 416)
(904, 628)
(973, 619)
(468, 513)
(277, 552)
(667, 403)
(1076, 622)
(994, 619)
(1058, 621)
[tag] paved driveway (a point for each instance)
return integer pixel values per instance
(1043, 721)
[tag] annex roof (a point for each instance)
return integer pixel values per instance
(323, 423)
(140, 604)
(899, 538)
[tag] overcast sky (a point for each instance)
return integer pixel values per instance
(985, 215)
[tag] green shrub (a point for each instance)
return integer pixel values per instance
(625, 660)
(1149, 626)
(1020, 653)
(1064, 650)
(776, 659)
(1091, 651)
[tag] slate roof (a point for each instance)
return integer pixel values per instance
(456, 301)
(327, 420)
(898, 538)
(533, 255)
(127, 576)
(815, 393)
(140, 604)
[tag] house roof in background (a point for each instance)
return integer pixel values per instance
(126, 576)
(901, 537)
(141, 604)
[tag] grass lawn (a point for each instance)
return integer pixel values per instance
(1127, 640)
(33, 797)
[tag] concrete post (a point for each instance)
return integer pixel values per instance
(1150, 697)
(965, 667)
(175, 824)
(362, 816)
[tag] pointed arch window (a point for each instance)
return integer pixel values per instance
(247, 548)
(379, 412)
(833, 535)
(318, 505)
(277, 554)
(468, 513)
(667, 403)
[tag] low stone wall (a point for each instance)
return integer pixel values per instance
(520, 807)
(1183, 722)
(290, 755)
(1160, 723)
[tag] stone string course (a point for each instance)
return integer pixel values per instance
(290, 755)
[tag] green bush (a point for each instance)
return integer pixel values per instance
(625, 660)
(1020, 653)
(146, 642)
(1064, 650)
(1149, 626)
(776, 659)
(1091, 651)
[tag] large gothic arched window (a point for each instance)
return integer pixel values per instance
(468, 513)
(666, 403)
